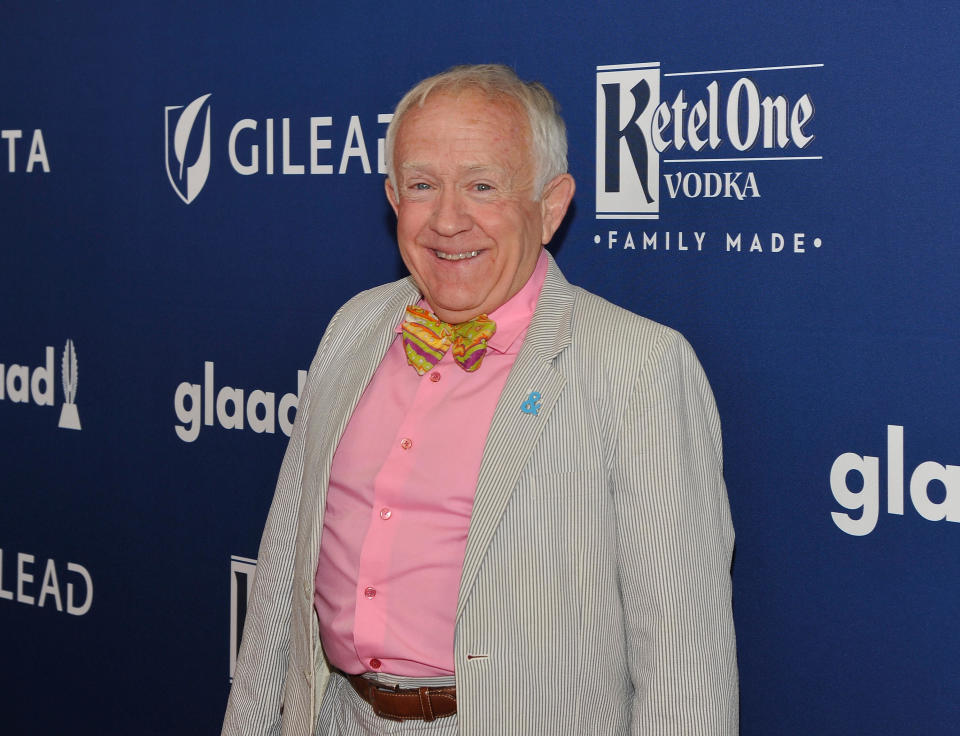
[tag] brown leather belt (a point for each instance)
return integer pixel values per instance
(421, 703)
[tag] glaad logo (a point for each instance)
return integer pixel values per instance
(21, 384)
(241, 581)
(634, 128)
(50, 587)
(194, 404)
(187, 179)
(864, 497)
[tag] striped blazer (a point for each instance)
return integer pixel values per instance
(595, 596)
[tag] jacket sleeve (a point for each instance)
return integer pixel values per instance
(255, 705)
(674, 549)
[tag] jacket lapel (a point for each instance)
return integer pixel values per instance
(361, 358)
(513, 432)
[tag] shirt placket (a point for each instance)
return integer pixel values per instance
(393, 512)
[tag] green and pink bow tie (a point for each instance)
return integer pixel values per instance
(426, 339)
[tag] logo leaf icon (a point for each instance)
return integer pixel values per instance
(181, 133)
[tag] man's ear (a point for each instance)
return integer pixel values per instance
(554, 203)
(391, 195)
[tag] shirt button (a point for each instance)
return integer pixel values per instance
(385, 513)
(435, 376)
(375, 663)
(406, 443)
(370, 593)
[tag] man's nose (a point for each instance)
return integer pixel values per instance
(450, 216)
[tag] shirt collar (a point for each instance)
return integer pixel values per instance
(513, 316)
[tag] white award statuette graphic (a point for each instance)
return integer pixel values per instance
(187, 179)
(69, 418)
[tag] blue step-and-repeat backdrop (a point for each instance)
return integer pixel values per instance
(189, 190)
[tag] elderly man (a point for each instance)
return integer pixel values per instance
(502, 509)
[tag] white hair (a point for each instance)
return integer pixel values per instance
(548, 134)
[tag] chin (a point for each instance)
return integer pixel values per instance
(458, 307)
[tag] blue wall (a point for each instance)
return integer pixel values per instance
(834, 368)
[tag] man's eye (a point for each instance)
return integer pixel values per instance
(421, 185)
(483, 187)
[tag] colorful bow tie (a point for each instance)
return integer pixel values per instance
(426, 339)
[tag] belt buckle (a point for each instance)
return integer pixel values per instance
(375, 689)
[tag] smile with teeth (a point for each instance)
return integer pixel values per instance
(456, 256)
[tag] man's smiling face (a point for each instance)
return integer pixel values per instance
(468, 225)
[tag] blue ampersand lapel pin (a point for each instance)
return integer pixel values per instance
(532, 404)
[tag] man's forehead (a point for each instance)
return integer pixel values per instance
(469, 106)
(491, 127)
(462, 166)
(491, 99)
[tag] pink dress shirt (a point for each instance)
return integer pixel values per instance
(398, 508)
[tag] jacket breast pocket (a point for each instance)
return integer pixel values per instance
(571, 483)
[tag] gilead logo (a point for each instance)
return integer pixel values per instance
(47, 584)
(929, 482)
(199, 405)
(307, 145)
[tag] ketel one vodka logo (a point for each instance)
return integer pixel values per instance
(727, 119)
(23, 384)
(187, 147)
